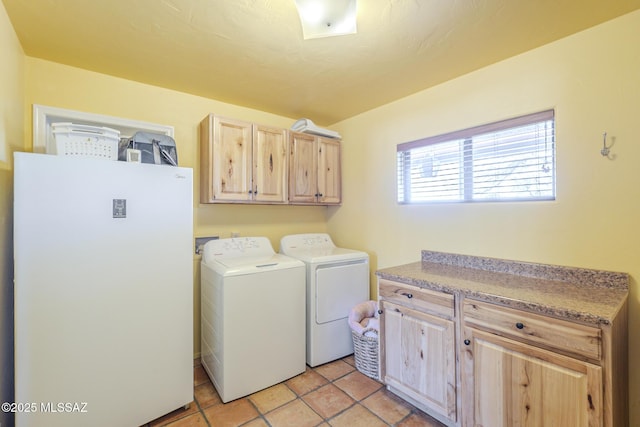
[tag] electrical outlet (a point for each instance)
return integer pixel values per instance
(200, 242)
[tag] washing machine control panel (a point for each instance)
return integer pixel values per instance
(246, 246)
(312, 241)
(317, 241)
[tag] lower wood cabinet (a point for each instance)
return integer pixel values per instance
(508, 383)
(418, 349)
(420, 357)
(522, 368)
(472, 363)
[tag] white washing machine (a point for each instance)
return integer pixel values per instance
(253, 316)
(337, 279)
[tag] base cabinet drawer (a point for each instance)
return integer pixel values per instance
(581, 341)
(425, 300)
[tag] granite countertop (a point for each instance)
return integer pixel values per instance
(583, 295)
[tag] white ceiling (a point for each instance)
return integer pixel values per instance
(251, 52)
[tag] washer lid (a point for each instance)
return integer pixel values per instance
(231, 266)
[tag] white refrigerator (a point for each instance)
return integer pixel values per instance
(103, 291)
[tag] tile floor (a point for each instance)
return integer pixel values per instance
(334, 394)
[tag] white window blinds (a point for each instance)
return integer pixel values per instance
(509, 160)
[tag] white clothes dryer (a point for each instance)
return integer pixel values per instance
(337, 279)
(252, 316)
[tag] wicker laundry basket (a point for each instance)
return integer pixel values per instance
(365, 353)
(365, 339)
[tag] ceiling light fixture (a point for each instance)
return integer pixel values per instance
(327, 18)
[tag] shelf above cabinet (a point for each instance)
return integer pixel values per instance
(44, 116)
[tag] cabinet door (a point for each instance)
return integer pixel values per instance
(232, 140)
(418, 357)
(303, 184)
(329, 171)
(206, 160)
(270, 164)
(508, 383)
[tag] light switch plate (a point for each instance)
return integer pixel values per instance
(119, 208)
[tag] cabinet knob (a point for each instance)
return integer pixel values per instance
(519, 325)
(408, 295)
(467, 342)
(379, 311)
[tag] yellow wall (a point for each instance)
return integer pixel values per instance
(57, 85)
(592, 79)
(11, 139)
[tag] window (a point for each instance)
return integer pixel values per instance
(509, 160)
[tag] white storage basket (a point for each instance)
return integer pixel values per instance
(84, 141)
(365, 354)
(365, 339)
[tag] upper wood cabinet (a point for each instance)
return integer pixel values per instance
(242, 162)
(315, 175)
(270, 164)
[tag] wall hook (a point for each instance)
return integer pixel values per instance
(606, 150)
